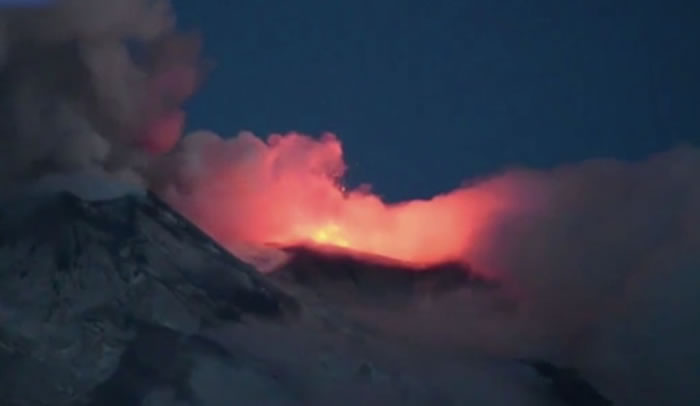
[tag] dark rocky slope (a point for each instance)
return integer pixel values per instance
(124, 302)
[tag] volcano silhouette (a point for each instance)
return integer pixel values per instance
(124, 302)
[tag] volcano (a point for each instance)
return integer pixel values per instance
(122, 301)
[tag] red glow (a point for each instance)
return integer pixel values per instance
(163, 133)
(287, 191)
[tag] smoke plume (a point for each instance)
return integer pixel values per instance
(600, 258)
(90, 86)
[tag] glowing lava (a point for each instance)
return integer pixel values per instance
(287, 191)
(330, 234)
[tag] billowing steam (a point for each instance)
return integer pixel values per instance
(90, 86)
(601, 257)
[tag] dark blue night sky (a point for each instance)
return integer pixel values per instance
(426, 94)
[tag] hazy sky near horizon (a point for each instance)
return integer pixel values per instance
(424, 95)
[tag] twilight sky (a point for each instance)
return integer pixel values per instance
(427, 94)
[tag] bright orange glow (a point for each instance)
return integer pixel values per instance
(330, 234)
(287, 191)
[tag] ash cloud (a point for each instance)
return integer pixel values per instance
(91, 85)
(600, 260)
(606, 269)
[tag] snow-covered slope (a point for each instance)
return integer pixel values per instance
(124, 302)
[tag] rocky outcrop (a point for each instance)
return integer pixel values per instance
(81, 280)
